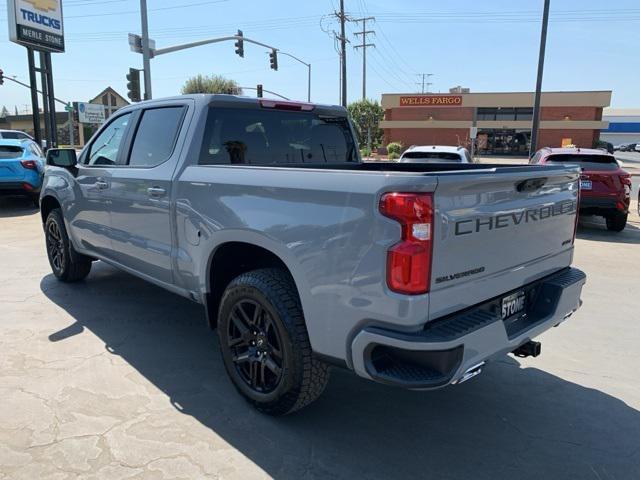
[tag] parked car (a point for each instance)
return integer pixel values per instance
(625, 147)
(15, 135)
(605, 188)
(605, 146)
(303, 255)
(21, 168)
(637, 147)
(435, 154)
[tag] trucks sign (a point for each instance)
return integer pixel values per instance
(431, 101)
(37, 24)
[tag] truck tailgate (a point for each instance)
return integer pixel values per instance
(496, 231)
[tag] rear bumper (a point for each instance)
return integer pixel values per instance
(18, 188)
(446, 349)
(602, 205)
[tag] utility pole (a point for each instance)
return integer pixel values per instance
(343, 56)
(536, 102)
(146, 54)
(425, 76)
(364, 45)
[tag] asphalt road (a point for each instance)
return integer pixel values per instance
(114, 378)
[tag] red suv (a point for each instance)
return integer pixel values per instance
(605, 188)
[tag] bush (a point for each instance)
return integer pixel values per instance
(365, 152)
(394, 148)
(394, 156)
(211, 84)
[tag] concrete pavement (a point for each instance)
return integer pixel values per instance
(113, 378)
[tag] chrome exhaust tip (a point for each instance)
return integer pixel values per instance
(470, 373)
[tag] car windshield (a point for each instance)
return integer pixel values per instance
(432, 157)
(587, 162)
(10, 151)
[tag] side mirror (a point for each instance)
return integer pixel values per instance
(62, 157)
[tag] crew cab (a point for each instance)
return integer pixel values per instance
(605, 188)
(304, 256)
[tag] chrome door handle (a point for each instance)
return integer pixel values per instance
(156, 192)
(102, 185)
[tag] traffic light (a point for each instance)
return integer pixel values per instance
(133, 85)
(1, 77)
(273, 59)
(259, 89)
(240, 44)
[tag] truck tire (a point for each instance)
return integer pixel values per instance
(616, 222)
(66, 264)
(265, 345)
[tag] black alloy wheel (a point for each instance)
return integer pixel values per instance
(55, 247)
(265, 345)
(66, 263)
(256, 346)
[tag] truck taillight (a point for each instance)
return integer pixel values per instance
(409, 261)
(575, 224)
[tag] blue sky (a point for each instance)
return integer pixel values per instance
(488, 46)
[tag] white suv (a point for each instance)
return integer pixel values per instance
(435, 154)
(15, 135)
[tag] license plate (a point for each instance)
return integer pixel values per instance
(585, 184)
(513, 304)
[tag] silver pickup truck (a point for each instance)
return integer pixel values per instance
(304, 256)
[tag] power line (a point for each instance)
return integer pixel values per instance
(427, 83)
(364, 45)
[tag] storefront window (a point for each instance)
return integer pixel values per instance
(505, 114)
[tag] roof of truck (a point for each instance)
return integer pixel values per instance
(211, 97)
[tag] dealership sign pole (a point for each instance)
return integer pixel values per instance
(38, 25)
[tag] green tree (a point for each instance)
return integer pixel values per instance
(211, 84)
(366, 116)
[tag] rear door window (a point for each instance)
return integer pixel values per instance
(260, 136)
(156, 136)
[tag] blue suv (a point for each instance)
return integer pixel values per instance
(21, 168)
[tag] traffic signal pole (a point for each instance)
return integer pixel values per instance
(146, 52)
(240, 39)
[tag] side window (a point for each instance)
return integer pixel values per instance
(535, 159)
(156, 136)
(104, 150)
(35, 149)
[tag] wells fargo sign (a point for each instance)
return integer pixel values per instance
(431, 101)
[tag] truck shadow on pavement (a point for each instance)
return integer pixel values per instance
(16, 207)
(510, 422)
